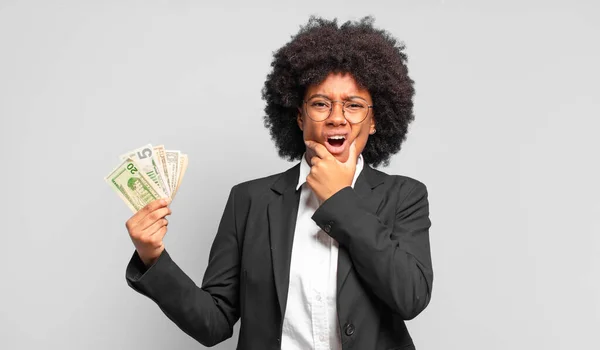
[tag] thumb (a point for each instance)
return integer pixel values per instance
(309, 143)
(353, 156)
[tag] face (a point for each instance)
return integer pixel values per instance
(336, 133)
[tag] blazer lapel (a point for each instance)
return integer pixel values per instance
(364, 188)
(282, 213)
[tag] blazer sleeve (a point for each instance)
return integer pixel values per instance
(393, 260)
(209, 313)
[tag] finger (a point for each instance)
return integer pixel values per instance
(149, 208)
(155, 239)
(155, 226)
(353, 156)
(153, 217)
(314, 161)
(160, 233)
(318, 149)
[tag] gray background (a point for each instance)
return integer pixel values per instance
(505, 138)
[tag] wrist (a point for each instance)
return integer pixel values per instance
(332, 192)
(150, 259)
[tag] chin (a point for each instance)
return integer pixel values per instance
(342, 157)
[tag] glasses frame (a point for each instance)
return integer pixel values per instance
(304, 107)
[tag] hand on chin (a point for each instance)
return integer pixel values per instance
(329, 173)
(342, 153)
(343, 157)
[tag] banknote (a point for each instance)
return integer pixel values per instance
(183, 163)
(144, 158)
(173, 167)
(161, 161)
(134, 187)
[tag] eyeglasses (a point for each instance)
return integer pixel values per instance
(319, 109)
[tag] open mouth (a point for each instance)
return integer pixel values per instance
(336, 141)
(335, 144)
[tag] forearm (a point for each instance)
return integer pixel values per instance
(384, 256)
(192, 309)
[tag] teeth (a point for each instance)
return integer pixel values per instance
(337, 137)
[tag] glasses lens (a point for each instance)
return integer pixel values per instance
(318, 109)
(355, 111)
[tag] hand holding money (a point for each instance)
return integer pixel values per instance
(147, 228)
(147, 180)
(147, 174)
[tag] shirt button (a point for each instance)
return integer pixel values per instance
(322, 338)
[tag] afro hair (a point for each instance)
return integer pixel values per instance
(372, 56)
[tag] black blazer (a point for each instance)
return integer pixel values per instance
(384, 266)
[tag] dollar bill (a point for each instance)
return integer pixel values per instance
(173, 167)
(144, 158)
(183, 163)
(161, 160)
(134, 187)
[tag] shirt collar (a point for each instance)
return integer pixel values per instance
(305, 170)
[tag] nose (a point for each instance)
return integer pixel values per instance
(336, 117)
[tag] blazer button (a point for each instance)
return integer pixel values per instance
(349, 329)
(327, 227)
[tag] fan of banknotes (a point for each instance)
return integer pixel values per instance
(148, 173)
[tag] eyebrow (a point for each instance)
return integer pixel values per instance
(327, 97)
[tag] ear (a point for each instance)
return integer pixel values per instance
(299, 120)
(372, 126)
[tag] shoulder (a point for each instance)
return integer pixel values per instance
(263, 186)
(403, 182)
(407, 193)
(256, 186)
(401, 189)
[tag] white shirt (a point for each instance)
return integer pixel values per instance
(310, 320)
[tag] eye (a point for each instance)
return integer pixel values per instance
(354, 106)
(320, 104)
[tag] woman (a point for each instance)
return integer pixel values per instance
(330, 254)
